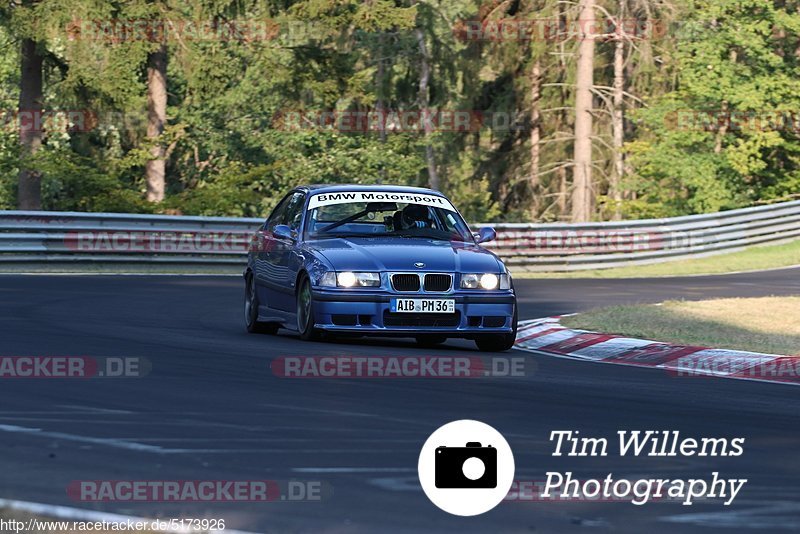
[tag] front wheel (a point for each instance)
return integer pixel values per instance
(495, 342)
(305, 312)
(499, 342)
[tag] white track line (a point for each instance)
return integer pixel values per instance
(109, 442)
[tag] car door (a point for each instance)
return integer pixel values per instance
(284, 258)
(265, 274)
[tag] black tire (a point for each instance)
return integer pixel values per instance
(495, 342)
(251, 322)
(305, 312)
(430, 340)
(499, 342)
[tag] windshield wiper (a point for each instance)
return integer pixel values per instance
(422, 236)
(437, 237)
(344, 221)
(331, 235)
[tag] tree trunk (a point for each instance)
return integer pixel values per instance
(562, 116)
(618, 122)
(536, 134)
(725, 118)
(29, 195)
(584, 81)
(380, 104)
(563, 191)
(424, 104)
(155, 170)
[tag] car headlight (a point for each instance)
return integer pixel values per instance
(485, 281)
(350, 279)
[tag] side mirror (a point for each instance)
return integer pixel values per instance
(486, 234)
(282, 231)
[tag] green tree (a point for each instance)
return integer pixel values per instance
(708, 145)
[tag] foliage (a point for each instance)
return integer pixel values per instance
(232, 152)
(691, 158)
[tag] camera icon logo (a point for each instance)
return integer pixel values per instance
(466, 467)
(472, 466)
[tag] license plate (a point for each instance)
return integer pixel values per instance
(422, 305)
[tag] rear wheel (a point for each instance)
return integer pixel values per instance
(305, 311)
(253, 325)
(499, 342)
(430, 340)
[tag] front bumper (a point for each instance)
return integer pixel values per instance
(367, 312)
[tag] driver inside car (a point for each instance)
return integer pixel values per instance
(412, 216)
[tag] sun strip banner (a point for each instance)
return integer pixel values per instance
(344, 197)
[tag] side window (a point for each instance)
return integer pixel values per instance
(278, 214)
(450, 222)
(454, 225)
(294, 211)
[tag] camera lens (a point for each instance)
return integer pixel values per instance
(473, 468)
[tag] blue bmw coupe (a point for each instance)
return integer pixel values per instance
(377, 260)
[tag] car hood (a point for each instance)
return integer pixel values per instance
(378, 254)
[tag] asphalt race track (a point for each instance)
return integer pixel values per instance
(211, 409)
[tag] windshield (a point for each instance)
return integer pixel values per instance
(358, 215)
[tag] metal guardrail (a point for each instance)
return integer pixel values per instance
(570, 247)
(43, 238)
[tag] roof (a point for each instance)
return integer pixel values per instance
(319, 188)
